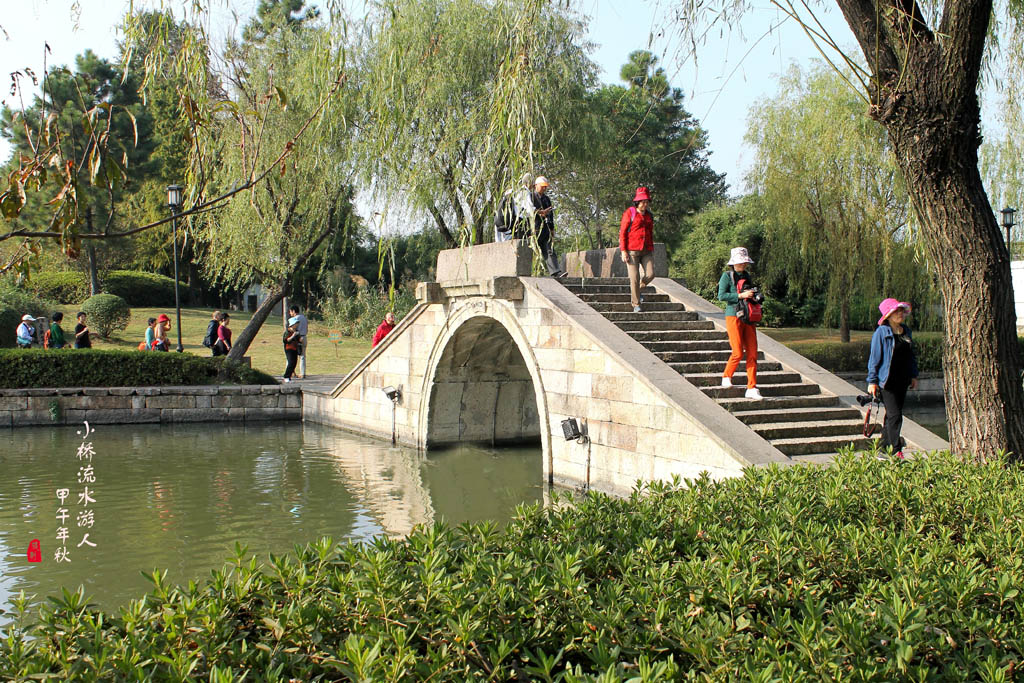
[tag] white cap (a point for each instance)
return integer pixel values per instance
(27, 318)
(739, 255)
(541, 180)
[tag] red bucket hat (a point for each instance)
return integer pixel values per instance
(162, 318)
(641, 195)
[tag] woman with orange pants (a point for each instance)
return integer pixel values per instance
(735, 284)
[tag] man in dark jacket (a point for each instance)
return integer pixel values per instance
(544, 226)
(210, 340)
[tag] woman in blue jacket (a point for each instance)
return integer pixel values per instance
(892, 368)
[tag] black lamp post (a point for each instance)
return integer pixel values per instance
(174, 202)
(1008, 224)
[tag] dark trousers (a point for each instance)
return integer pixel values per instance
(293, 357)
(546, 244)
(893, 400)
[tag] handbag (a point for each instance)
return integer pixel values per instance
(747, 310)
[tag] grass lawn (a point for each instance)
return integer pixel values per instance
(322, 357)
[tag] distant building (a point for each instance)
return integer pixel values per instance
(255, 295)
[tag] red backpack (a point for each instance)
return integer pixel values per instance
(747, 310)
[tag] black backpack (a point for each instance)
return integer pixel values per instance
(505, 214)
(211, 332)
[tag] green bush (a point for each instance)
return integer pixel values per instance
(27, 368)
(107, 313)
(866, 570)
(15, 302)
(144, 290)
(853, 357)
(64, 287)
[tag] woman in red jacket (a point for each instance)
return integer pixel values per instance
(636, 242)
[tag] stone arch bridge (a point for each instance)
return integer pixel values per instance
(492, 355)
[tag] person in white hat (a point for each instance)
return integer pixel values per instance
(735, 284)
(26, 332)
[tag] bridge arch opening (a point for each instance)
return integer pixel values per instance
(482, 390)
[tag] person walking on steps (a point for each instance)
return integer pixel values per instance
(892, 368)
(636, 242)
(736, 284)
(544, 226)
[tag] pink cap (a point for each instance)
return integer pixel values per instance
(890, 306)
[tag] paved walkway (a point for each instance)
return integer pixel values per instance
(321, 383)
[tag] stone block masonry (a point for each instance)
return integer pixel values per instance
(127, 405)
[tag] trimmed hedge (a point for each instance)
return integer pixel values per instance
(136, 287)
(25, 368)
(853, 357)
(107, 313)
(144, 289)
(867, 570)
(62, 286)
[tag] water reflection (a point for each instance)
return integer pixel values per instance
(178, 497)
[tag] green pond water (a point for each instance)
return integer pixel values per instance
(178, 497)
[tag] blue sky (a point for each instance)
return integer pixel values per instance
(734, 69)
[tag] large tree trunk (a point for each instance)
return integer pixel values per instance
(94, 275)
(924, 91)
(844, 317)
(249, 332)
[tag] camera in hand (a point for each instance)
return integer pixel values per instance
(865, 399)
(758, 297)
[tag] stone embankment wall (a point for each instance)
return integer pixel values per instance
(123, 405)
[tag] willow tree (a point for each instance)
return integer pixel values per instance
(459, 96)
(919, 71)
(265, 236)
(834, 203)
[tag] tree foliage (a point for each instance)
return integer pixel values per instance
(835, 206)
(633, 135)
(460, 96)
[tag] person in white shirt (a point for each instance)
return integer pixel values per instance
(26, 332)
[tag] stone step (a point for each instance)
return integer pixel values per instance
(659, 347)
(607, 289)
(718, 367)
(664, 325)
(769, 390)
(628, 307)
(653, 316)
(754, 417)
(672, 357)
(714, 379)
(810, 429)
(577, 281)
(815, 458)
(739, 405)
(680, 335)
(621, 296)
(831, 444)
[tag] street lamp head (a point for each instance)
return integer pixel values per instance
(1008, 217)
(174, 196)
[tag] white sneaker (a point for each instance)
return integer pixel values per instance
(637, 309)
(753, 393)
(726, 382)
(286, 380)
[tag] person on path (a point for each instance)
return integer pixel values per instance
(160, 343)
(292, 342)
(515, 211)
(26, 332)
(210, 340)
(892, 368)
(150, 337)
(544, 226)
(57, 339)
(82, 340)
(636, 242)
(302, 327)
(223, 345)
(383, 329)
(736, 284)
